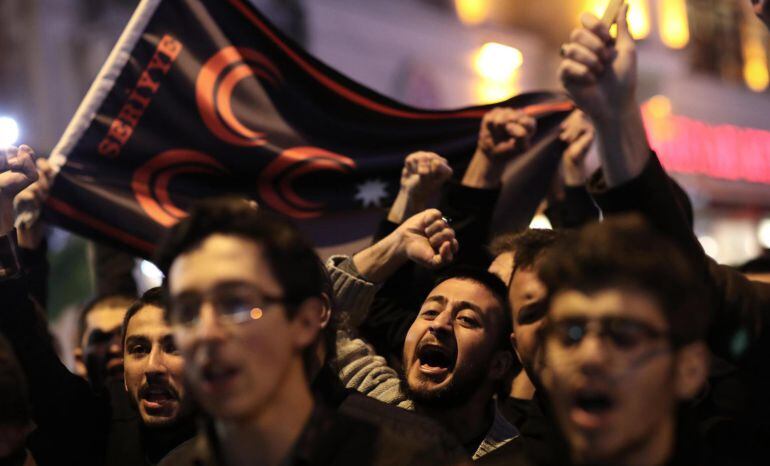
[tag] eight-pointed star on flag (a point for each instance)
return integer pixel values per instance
(372, 192)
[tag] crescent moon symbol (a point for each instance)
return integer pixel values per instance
(214, 89)
(150, 181)
(276, 180)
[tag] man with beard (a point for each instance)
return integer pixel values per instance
(248, 301)
(73, 424)
(457, 350)
(99, 352)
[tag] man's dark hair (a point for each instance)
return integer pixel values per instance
(624, 252)
(111, 299)
(292, 259)
(498, 289)
(152, 297)
(528, 246)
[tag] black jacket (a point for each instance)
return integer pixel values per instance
(734, 413)
(75, 426)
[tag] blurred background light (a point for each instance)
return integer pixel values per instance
(755, 70)
(540, 221)
(498, 68)
(9, 131)
(472, 12)
(638, 15)
(673, 24)
(659, 107)
(763, 233)
(710, 246)
(150, 271)
(498, 62)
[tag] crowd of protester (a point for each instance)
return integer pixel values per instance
(612, 339)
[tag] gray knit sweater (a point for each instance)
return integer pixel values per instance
(362, 369)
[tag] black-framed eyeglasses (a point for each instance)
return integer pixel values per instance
(232, 303)
(623, 333)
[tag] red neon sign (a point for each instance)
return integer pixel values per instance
(726, 152)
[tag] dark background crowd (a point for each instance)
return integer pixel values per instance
(611, 338)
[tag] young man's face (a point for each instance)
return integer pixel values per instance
(153, 367)
(451, 350)
(762, 10)
(240, 345)
(611, 373)
(101, 352)
(527, 295)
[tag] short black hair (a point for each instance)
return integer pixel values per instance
(153, 297)
(498, 289)
(528, 246)
(625, 252)
(109, 299)
(292, 258)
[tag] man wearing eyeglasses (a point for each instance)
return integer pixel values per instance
(623, 346)
(248, 300)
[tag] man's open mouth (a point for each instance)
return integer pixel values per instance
(158, 397)
(435, 360)
(591, 408)
(218, 377)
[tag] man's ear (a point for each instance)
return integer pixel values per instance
(80, 364)
(326, 312)
(692, 367)
(308, 321)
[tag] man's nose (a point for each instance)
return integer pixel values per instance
(593, 355)
(156, 363)
(442, 323)
(209, 328)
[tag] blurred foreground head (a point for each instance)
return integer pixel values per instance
(622, 341)
(247, 302)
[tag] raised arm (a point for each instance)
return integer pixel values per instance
(601, 77)
(69, 417)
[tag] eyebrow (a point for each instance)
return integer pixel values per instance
(436, 299)
(459, 305)
(469, 305)
(136, 339)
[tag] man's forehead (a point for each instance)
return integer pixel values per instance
(221, 258)
(106, 317)
(149, 321)
(611, 302)
(462, 289)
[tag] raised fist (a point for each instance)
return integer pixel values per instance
(505, 132)
(17, 172)
(424, 173)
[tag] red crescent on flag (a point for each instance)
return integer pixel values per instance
(150, 181)
(275, 182)
(214, 89)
